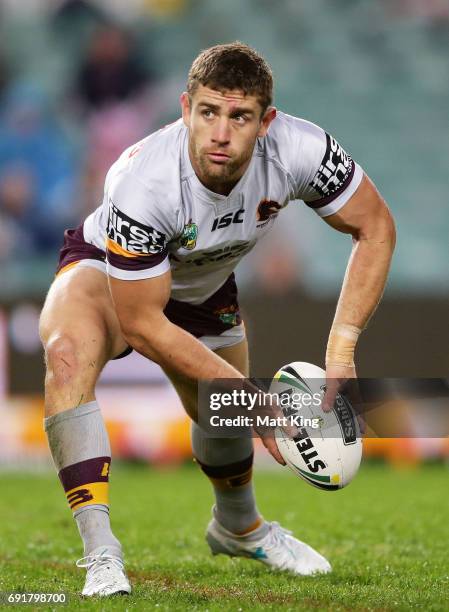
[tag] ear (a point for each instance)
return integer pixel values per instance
(268, 117)
(185, 106)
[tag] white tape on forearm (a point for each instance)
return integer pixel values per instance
(341, 344)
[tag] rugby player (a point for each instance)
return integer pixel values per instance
(152, 270)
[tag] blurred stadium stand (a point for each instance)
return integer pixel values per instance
(374, 74)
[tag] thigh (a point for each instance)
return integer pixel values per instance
(237, 356)
(187, 389)
(79, 309)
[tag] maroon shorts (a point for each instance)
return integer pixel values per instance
(217, 314)
(75, 248)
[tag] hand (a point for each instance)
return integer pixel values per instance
(266, 433)
(336, 377)
(270, 444)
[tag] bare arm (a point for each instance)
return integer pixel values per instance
(367, 218)
(140, 309)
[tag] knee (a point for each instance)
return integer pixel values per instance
(220, 451)
(61, 358)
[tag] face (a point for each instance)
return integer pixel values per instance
(223, 128)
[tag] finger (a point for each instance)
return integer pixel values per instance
(289, 430)
(271, 446)
(330, 395)
(362, 423)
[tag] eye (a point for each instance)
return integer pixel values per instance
(240, 119)
(207, 113)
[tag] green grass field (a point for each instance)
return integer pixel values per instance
(386, 535)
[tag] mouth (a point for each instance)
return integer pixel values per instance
(218, 158)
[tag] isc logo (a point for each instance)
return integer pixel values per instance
(227, 219)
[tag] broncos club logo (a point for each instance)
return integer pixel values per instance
(266, 210)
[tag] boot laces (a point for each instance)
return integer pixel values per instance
(96, 563)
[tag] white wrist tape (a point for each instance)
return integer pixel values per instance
(341, 344)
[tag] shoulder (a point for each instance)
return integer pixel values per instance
(146, 177)
(155, 158)
(290, 139)
(323, 174)
(288, 126)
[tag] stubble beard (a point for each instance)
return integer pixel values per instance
(218, 177)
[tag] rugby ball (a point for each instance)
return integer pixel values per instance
(327, 449)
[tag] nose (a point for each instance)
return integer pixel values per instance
(222, 132)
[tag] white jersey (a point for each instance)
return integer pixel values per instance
(157, 215)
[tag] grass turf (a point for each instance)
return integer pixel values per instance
(386, 536)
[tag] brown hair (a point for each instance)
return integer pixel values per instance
(232, 66)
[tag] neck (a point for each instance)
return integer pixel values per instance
(220, 187)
